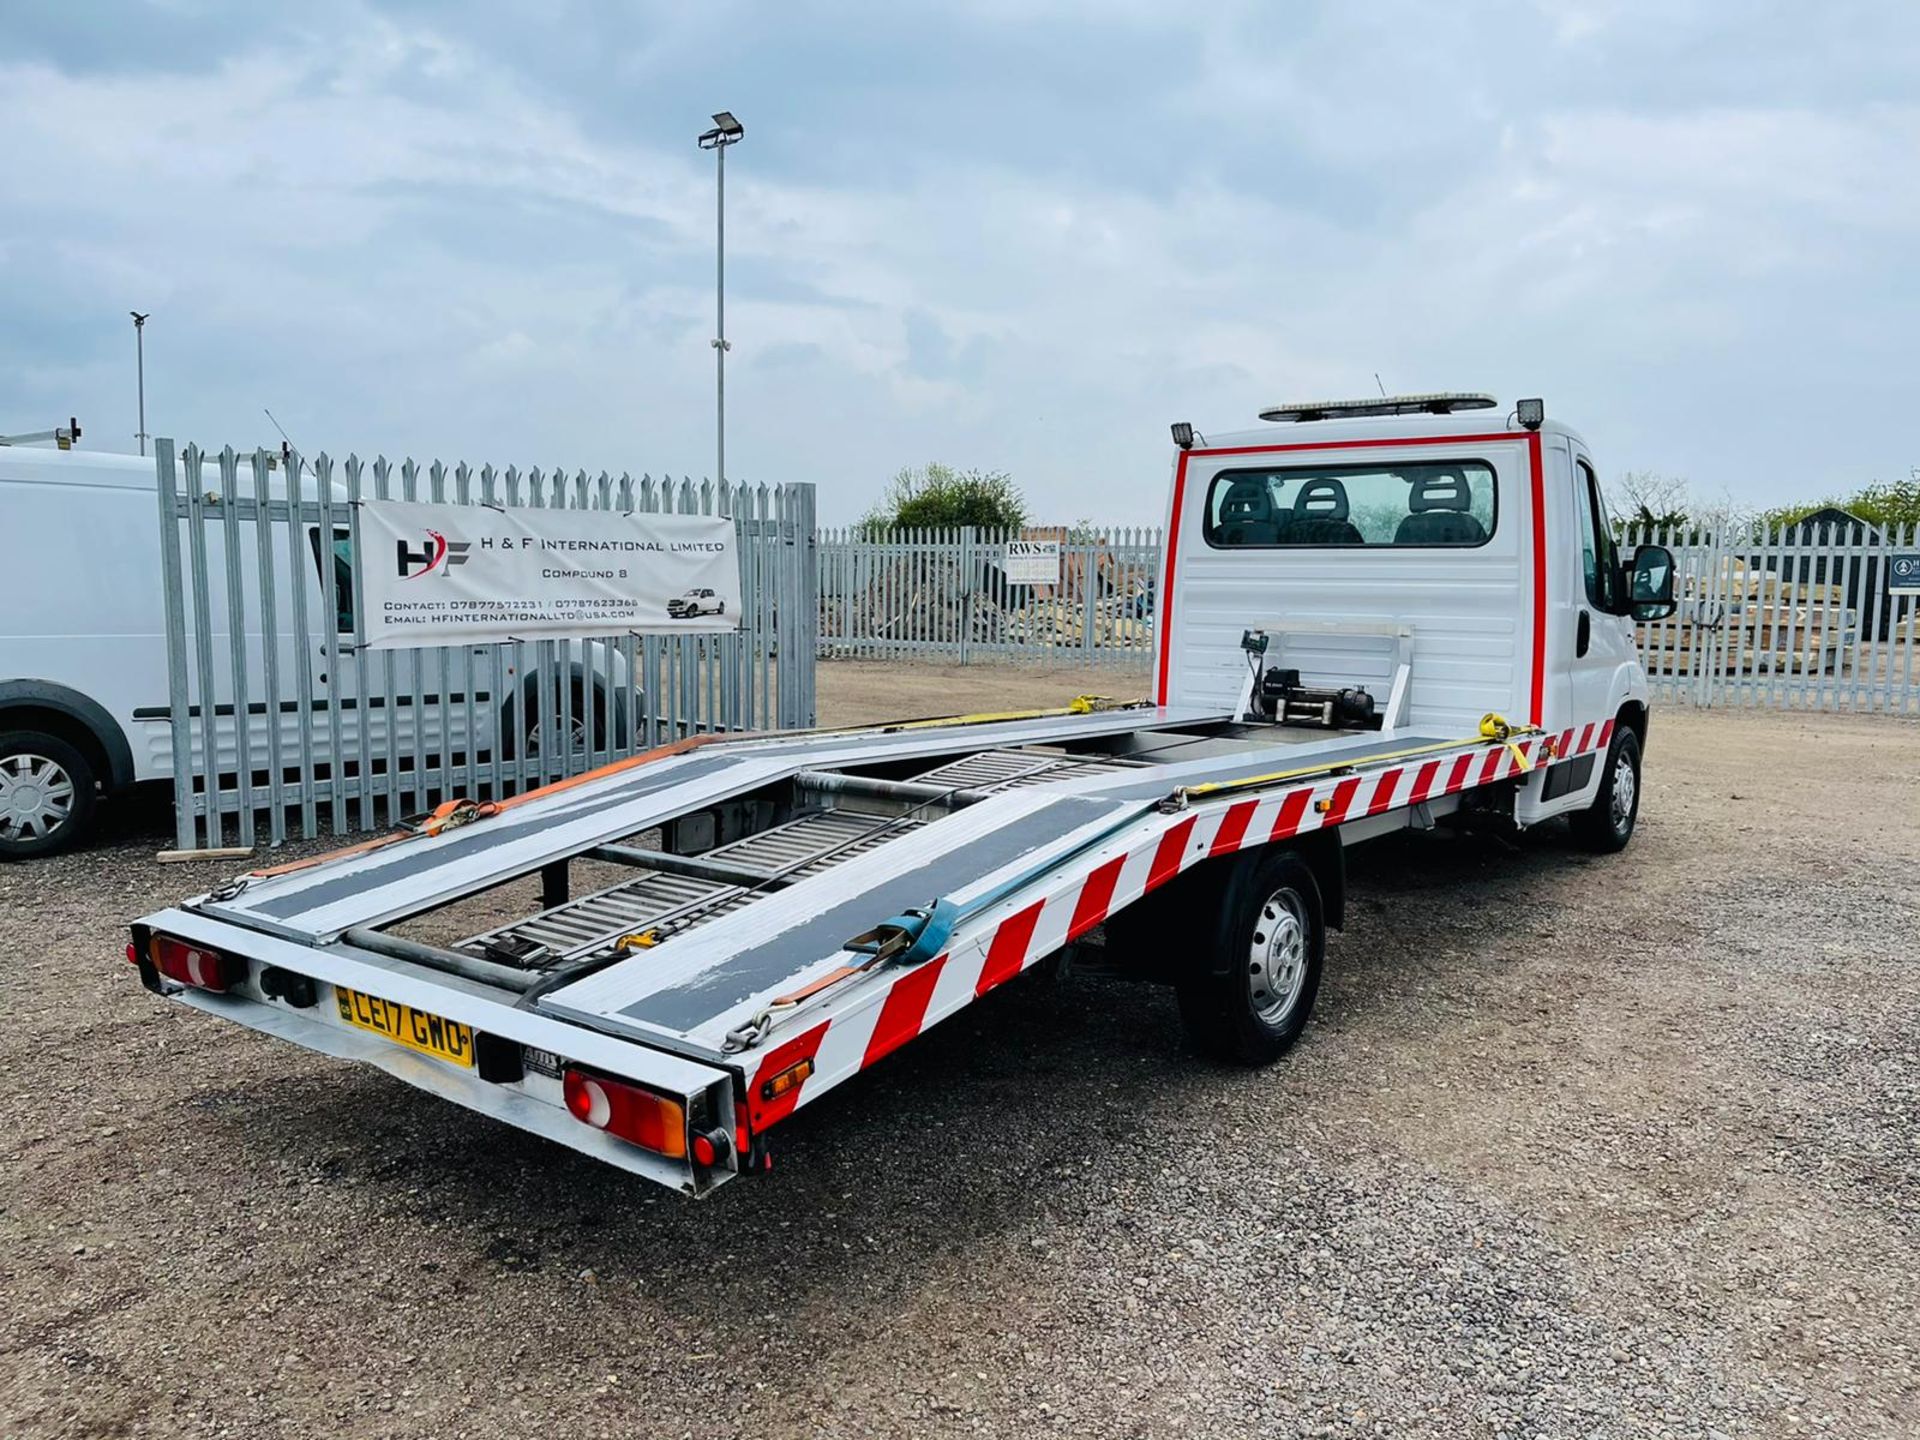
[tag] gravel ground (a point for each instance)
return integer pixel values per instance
(1573, 1148)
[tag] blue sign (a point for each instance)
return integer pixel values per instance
(1903, 572)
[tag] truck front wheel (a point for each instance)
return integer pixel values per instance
(1251, 1000)
(1607, 825)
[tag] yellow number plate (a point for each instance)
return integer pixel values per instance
(443, 1039)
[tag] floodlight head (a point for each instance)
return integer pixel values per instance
(138, 318)
(726, 131)
(1183, 434)
(1531, 414)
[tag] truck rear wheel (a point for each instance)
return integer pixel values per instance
(1607, 825)
(46, 794)
(1252, 999)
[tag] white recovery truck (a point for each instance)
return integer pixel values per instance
(1378, 616)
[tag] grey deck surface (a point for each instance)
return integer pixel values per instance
(709, 978)
(753, 952)
(403, 879)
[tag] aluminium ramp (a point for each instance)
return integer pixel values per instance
(691, 992)
(381, 885)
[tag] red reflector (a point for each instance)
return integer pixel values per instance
(193, 965)
(133, 954)
(640, 1117)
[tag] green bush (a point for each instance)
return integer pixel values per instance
(1888, 504)
(936, 496)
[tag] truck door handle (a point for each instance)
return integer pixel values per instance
(1583, 638)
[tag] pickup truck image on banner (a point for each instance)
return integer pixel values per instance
(455, 574)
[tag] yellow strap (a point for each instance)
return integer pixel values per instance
(1495, 726)
(1080, 705)
(1507, 735)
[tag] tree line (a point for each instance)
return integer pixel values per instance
(941, 497)
(1645, 499)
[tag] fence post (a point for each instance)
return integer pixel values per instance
(966, 593)
(167, 486)
(803, 640)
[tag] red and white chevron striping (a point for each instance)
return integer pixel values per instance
(854, 1030)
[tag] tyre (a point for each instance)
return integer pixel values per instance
(1251, 1000)
(46, 794)
(526, 732)
(1607, 825)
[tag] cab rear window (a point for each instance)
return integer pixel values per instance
(1444, 503)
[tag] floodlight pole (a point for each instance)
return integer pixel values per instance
(140, 369)
(727, 131)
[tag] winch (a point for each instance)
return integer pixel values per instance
(1278, 695)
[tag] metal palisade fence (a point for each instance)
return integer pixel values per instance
(260, 589)
(950, 595)
(1802, 616)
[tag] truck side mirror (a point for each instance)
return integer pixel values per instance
(1650, 582)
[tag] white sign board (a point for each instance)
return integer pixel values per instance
(458, 574)
(1033, 562)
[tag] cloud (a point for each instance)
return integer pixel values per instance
(1023, 237)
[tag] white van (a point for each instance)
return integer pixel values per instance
(84, 709)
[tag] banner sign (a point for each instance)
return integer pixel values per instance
(459, 574)
(1033, 562)
(1903, 572)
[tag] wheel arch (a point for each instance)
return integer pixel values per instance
(1633, 715)
(1326, 856)
(81, 721)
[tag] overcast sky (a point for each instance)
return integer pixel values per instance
(1025, 236)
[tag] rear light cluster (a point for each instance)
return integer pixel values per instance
(627, 1112)
(640, 1117)
(194, 965)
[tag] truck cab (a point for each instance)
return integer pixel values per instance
(1431, 533)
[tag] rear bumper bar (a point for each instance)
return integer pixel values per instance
(532, 1103)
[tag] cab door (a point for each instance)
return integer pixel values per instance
(1603, 643)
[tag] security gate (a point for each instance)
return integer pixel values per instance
(280, 725)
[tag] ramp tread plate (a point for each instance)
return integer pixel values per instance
(812, 843)
(1018, 769)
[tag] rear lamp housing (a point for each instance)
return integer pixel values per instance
(626, 1111)
(195, 965)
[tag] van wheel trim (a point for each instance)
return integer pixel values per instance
(36, 796)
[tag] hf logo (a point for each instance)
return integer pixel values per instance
(438, 554)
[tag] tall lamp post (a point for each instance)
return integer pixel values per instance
(726, 131)
(140, 369)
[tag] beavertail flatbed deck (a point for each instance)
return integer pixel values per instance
(789, 909)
